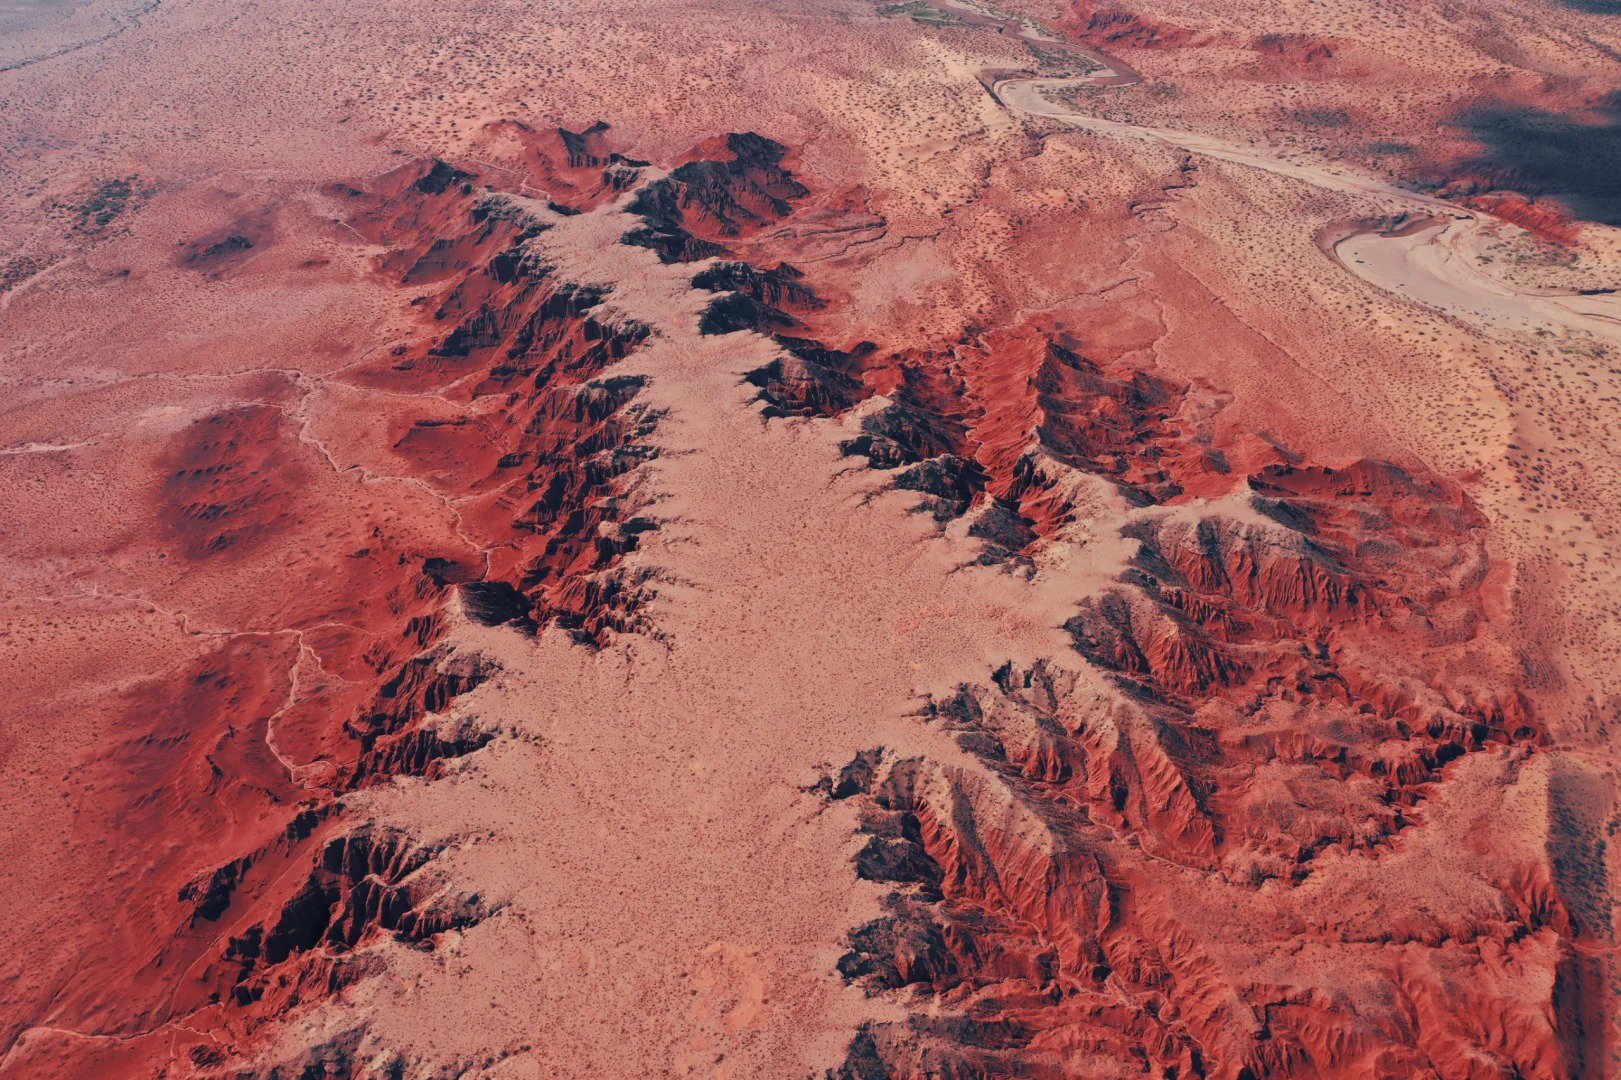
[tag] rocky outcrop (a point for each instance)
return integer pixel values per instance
(1131, 428)
(1549, 220)
(781, 287)
(366, 883)
(1118, 27)
(1295, 662)
(1273, 691)
(536, 453)
(573, 171)
(809, 379)
(1297, 50)
(219, 253)
(733, 188)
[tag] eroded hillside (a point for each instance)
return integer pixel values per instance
(1020, 543)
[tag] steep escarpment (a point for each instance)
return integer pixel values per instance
(495, 411)
(1279, 685)
(1171, 851)
(1226, 823)
(1147, 861)
(532, 444)
(1204, 840)
(506, 412)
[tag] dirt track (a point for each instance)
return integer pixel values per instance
(1438, 266)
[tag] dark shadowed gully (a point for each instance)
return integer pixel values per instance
(1573, 156)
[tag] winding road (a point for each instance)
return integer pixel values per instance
(1438, 261)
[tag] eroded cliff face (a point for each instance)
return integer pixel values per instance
(1177, 851)
(497, 409)
(1235, 830)
(1241, 827)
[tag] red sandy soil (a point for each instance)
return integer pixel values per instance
(1294, 671)
(498, 420)
(1277, 690)
(660, 600)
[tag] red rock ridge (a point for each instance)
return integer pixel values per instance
(1170, 856)
(1202, 842)
(501, 411)
(1118, 27)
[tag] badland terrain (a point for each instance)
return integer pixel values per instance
(813, 538)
